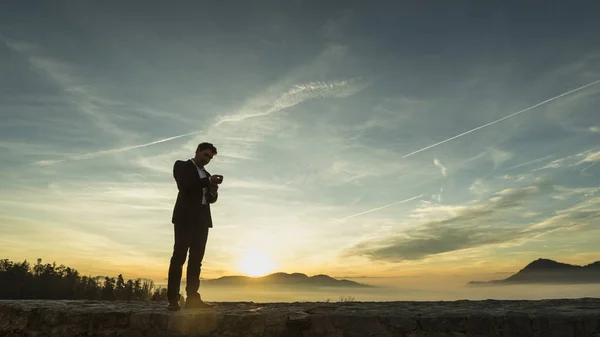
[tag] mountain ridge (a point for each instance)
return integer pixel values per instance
(282, 278)
(547, 271)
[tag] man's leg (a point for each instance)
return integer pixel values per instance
(197, 249)
(180, 250)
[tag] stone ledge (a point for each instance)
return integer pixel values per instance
(546, 318)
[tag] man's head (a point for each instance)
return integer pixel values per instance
(204, 153)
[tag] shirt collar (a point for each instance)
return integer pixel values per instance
(198, 167)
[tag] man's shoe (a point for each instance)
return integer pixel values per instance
(199, 304)
(173, 306)
(195, 302)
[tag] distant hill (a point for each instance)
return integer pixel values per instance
(284, 279)
(545, 271)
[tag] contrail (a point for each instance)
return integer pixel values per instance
(503, 118)
(378, 208)
(105, 152)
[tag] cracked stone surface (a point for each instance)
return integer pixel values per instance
(544, 318)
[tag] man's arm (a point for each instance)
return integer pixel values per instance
(185, 180)
(213, 194)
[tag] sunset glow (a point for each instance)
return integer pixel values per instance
(256, 263)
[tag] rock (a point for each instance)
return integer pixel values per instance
(401, 323)
(548, 318)
(252, 323)
(5, 323)
(195, 323)
(444, 323)
(298, 321)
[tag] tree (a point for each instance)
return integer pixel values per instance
(120, 288)
(137, 290)
(108, 291)
(160, 294)
(129, 290)
(91, 289)
(49, 281)
(15, 279)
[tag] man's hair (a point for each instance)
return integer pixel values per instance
(203, 146)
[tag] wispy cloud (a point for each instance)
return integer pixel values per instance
(531, 162)
(93, 115)
(105, 113)
(565, 193)
(296, 95)
(241, 133)
(479, 188)
(591, 158)
(574, 160)
(80, 95)
(469, 226)
(20, 46)
(563, 221)
(442, 168)
(499, 157)
(259, 106)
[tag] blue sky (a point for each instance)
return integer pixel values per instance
(314, 108)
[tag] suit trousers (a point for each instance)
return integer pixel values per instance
(192, 238)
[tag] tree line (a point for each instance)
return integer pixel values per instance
(21, 280)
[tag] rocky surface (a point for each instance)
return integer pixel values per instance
(547, 318)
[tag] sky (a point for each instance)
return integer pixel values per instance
(393, 140)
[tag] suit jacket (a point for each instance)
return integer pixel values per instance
(189, 209)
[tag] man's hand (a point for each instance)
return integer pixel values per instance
(215, 179)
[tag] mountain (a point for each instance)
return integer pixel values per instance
(545, 271)
(284, 279)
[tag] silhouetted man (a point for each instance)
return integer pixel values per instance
(191, 221)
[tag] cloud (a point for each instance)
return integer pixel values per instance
(589, 204)
(437, 163)
(111, 209)
(461, 227)
(499, 157)
(78, 93)
(28, 149)
(296, 95)
(438, 197)
(256, 185)
(509, 195)
(19, 46)
(239, 133)
(531, 162)
(479, 188)
(568, 220)
(565, 193)
(106, 114)
(591, 158)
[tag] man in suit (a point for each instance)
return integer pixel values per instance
(191, 220)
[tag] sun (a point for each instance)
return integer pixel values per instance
(256, 263)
